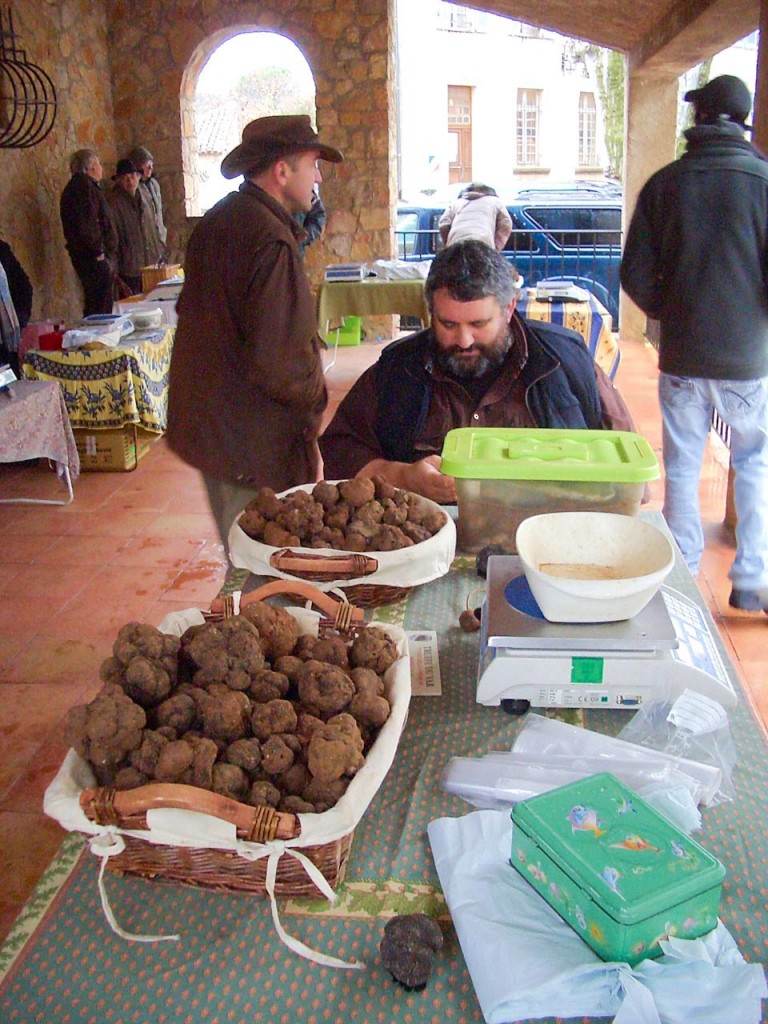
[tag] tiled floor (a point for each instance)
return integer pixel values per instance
(137, 545)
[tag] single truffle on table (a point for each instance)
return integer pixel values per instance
(408, 949)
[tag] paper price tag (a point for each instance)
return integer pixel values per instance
(425, 665)
(697, 713)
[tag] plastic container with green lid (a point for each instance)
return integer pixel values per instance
(505, 474)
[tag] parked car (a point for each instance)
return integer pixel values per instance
(572, 231)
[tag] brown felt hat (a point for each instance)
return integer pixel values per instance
(273, 138)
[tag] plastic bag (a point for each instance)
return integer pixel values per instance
(525, 961)
(692, 727)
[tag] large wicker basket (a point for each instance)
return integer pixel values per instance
(94, 809)
(368, 580)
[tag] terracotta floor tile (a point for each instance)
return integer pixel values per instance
(112, 520)
(55, 661)
(115, 595)
(23, 548)
(28, 842)
(200, 583)
(158, 549)
(27, 793)
(93, 550)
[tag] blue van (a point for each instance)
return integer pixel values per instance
(572, 231)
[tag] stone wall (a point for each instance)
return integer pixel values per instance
(158, 49)
(68, 40)
(122, 72)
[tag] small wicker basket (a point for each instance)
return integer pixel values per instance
(224, 868)
(367, 580)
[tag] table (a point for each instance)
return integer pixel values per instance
(230, 965)
(34, 425)
(590, 319)
(371, 297)
(108, 388)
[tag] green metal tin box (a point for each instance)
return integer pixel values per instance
(614, 868)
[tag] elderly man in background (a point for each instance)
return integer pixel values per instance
(480, 364)
(477, 213)
(138, 243)
(89, 232)
(150, 188)
(247, 391)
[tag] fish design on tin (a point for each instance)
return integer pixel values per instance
(585, 819)
(611, 878)
(626, 807)
(635, 843)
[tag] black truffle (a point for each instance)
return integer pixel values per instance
(408, 947)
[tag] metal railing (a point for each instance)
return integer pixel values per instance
(592, 255)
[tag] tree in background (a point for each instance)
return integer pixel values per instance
(610, 69)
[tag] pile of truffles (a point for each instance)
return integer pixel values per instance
(245, 707)
(354, 515)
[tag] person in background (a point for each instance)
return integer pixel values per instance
(15, 305)
(480, 364)
(150, 188)
(477, 213)
(313, 222)
(89, 232)
(138, 243)
(246, 389)
(695, 260)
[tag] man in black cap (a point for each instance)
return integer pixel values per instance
(695, 259)
(138, 243)
(247, 392)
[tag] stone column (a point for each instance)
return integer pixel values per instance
(651, 119)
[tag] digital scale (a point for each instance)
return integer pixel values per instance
(527, 661)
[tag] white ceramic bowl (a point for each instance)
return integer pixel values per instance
(144, 316)
(592, 566)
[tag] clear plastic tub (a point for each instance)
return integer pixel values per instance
(506, 474)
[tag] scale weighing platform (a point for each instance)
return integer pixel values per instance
(527, 661)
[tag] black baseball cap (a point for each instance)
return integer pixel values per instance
(724, 95)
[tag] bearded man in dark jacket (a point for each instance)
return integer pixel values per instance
(480, 364)
(696, 258)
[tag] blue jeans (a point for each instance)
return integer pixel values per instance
(686, 408)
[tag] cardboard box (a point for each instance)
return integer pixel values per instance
(505, 474)
(111, 451)
(615, 870)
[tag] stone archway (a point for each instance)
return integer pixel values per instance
(232, 78)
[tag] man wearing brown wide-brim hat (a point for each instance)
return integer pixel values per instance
(247, 392)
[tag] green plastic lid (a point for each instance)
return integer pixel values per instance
(518, 453)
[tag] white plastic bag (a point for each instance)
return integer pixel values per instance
(525, 962)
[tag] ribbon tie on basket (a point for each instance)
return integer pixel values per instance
(274, 850)
(105, 844)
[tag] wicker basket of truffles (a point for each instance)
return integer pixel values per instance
(363, 536)
(272, 729)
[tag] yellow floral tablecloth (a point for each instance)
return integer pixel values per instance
(589, 319)
(112, 387)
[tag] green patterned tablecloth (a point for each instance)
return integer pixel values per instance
(229, 965)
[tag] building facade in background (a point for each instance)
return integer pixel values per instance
(487, 98)
(490, 99)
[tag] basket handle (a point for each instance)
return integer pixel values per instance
(349, 567)
(128, 808)
(342, 613)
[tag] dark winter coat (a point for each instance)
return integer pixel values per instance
(696, 257)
